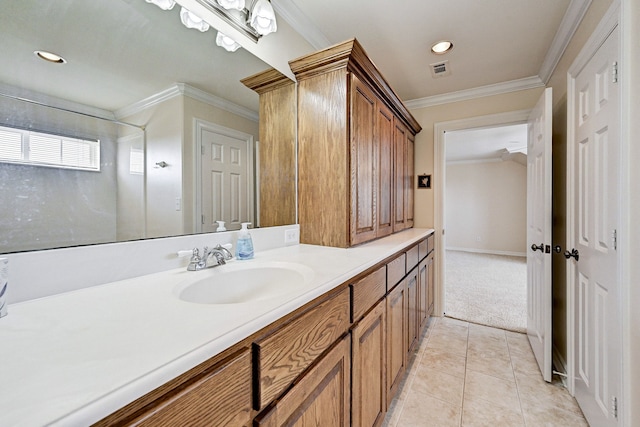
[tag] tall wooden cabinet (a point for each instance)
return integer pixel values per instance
(354, 169)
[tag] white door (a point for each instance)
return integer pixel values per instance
(539, 233)
(595, 155)
(226, 173)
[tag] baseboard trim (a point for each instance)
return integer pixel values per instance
(488, 251)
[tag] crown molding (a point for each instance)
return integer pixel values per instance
(192, 92)
(479, 92)
(54, 102)
(301, 24)
(570, 22)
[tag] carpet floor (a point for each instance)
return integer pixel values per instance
(487, 289)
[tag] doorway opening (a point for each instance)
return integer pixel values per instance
(485, 218)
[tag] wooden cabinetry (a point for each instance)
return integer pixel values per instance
(283, 355)
(216, 394)
(320, 398)
(396, 302)
(277, 168)
(412, 309)
(337, 361)
(348, 178)
(369, 401)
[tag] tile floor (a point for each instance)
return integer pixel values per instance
(465, 375)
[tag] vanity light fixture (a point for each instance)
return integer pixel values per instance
(191, 20)
(49, 56)
(163, 4)
(442, 47)
(231, 4)
(227, 42)
(263, 18)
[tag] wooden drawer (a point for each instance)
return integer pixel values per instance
(423, 249)
(431, 242)
(412, 258)
(322, 397)
(220, 397)
(282, 356)
(367, 291)
(395, 271)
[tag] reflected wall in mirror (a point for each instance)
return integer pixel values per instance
(127, 62)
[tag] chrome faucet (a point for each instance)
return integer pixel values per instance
(219, 253)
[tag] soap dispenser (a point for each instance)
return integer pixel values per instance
(244, 246)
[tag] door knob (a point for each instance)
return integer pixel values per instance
(539, 247)
(557, 249)
(574, 253)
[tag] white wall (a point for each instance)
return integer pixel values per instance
(486, 207)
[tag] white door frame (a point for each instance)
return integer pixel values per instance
(439, 168)
(198, 126)
(606, 26)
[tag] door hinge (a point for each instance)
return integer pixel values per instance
(202, 150)
(614, 236)
(614, 72)
(614, 407)
(202, 219)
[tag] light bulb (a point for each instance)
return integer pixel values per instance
(191, 20)
(227, 42)
(163, 4)
(231, 4)
(263, 18)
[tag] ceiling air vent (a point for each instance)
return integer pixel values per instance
(440, 69)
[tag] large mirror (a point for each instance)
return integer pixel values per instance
(175, 130)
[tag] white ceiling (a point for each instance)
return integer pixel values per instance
(498, 143)
(495, 41)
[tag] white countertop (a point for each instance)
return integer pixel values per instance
(72, 359)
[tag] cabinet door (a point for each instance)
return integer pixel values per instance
(412, 310)
(399, 176)
(396, 337)
(369, 388)
(321, 398)
(364, 163)
(384, 139)
(423, 293)
(430, 286)
(409, 179)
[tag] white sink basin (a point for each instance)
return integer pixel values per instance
(238, 283)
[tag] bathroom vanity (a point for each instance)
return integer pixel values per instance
(135, 352)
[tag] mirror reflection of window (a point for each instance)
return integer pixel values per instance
(136, 161)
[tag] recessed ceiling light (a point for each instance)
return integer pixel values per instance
(442, 47)
(51, 57)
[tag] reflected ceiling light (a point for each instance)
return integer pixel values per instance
(163, 4)
(442, 47)
(263, 18)
(191, 20)
(51, 57)
(227, 42)
(231, 4)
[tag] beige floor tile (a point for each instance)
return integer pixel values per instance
(535, 391)
(486, 331)
(443, 361)
(451, 331)
(427, 411)
(455, 345)
(499, 391)
(452, 321)
(488, 350)
(550, 416)
(438, 384)
(495, 366)
(480, 413)
(525, 364)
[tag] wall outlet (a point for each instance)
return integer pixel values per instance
(291, 235)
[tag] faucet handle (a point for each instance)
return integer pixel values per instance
(195, 255)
